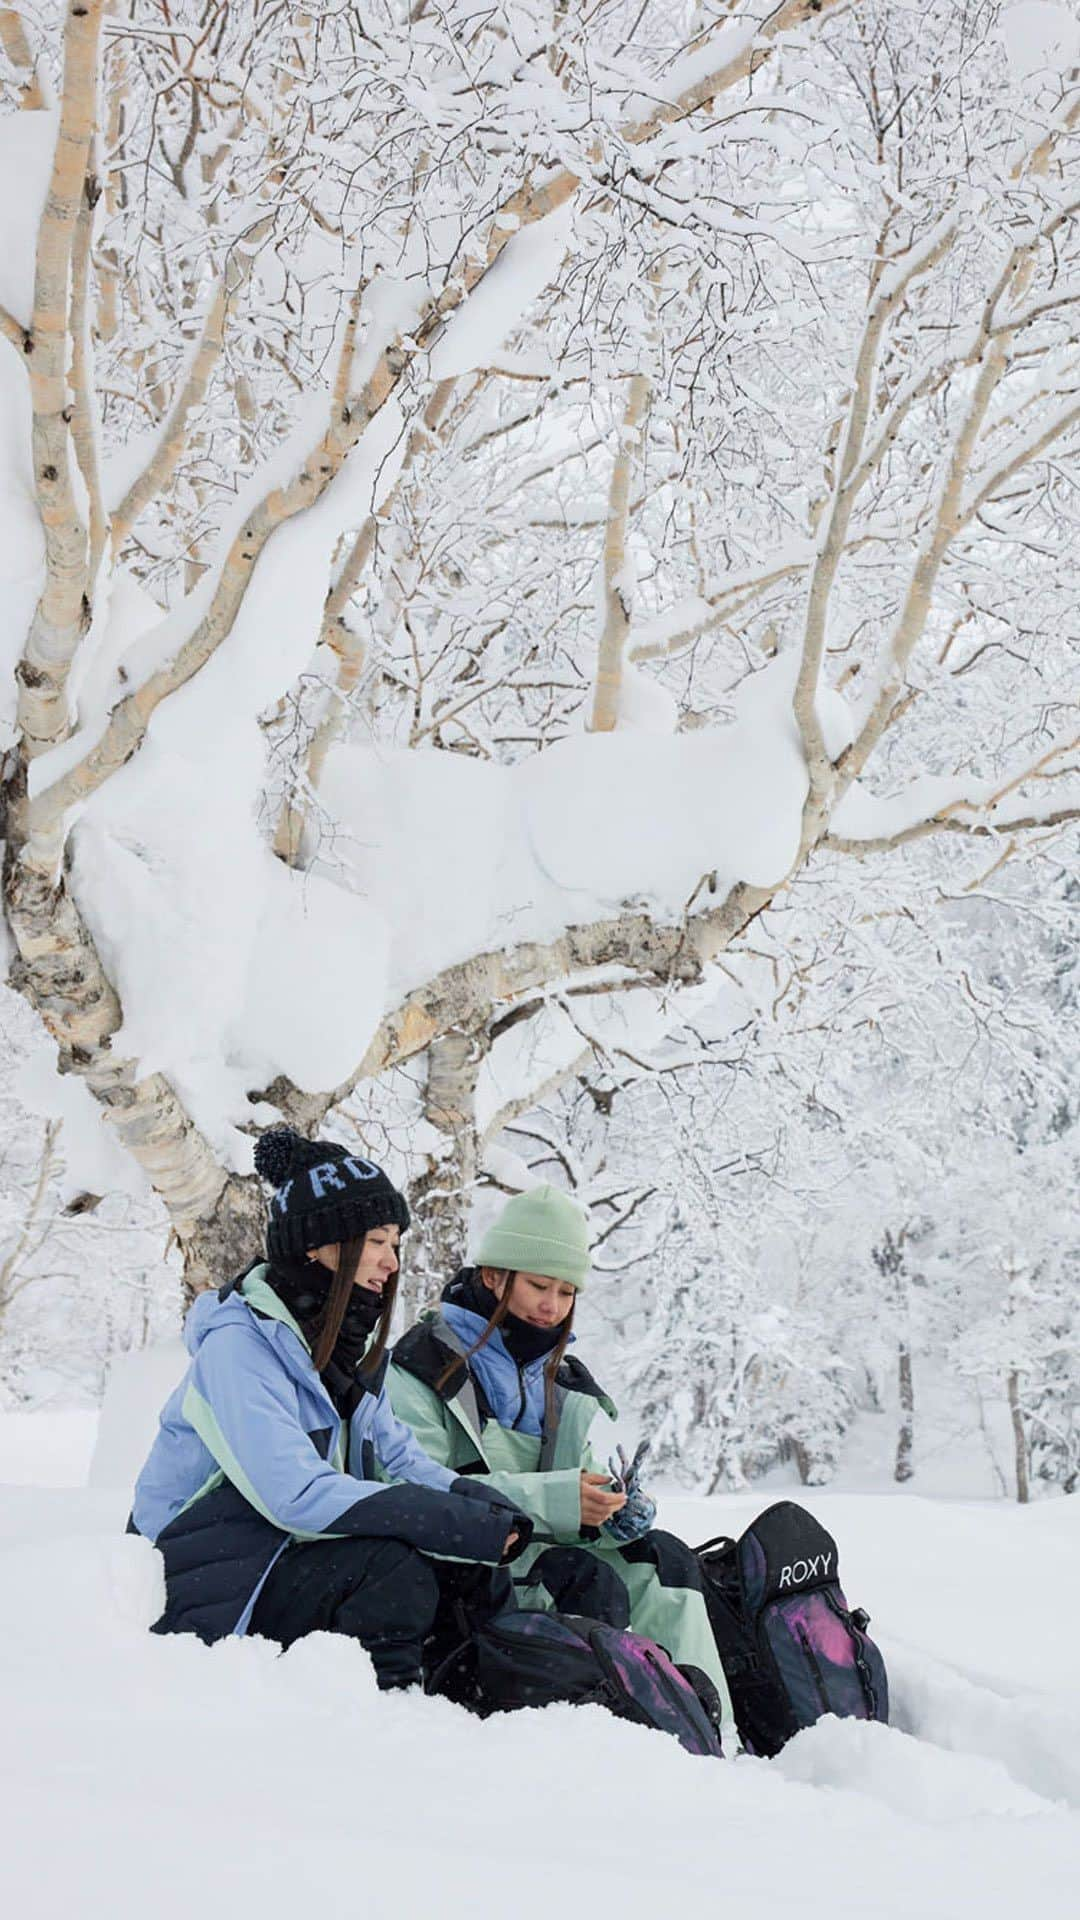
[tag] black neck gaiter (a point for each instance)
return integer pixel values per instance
(304, 1287)
(522, 1342)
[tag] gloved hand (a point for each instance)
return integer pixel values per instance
(632, 1520)
(637, 1516)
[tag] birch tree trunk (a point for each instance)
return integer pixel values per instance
(440, 1198)
(1020, 1439)
(618, 596)
(906, 1440)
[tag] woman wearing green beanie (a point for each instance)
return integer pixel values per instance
(488, 1385)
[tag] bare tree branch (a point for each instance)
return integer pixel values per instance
(167, 454)
(19, 52)
(19, 336)
(948, 823)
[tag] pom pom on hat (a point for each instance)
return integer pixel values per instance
(274, 1154)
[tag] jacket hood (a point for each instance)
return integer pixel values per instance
(248, 1301)
(208, 1312)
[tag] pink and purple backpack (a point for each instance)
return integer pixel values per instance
(791, 1647)
(533, 1659)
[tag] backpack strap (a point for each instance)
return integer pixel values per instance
(426, 1352)
(732, 1630)
(549, 1438)
(470, 1405)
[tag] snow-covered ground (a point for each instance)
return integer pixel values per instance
(157, 1778)
(47, 1450)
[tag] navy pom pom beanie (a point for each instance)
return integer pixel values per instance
(323, 1193)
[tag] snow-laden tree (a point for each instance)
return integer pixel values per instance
(84, 1274)
(889, 1071)
(1020, 1334)
(548, 476)
(739, 1368)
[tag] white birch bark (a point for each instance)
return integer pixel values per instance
(63, 612)
(17, 47)
(617, 596)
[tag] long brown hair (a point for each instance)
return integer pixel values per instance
(348, 1260)
(460, 1361)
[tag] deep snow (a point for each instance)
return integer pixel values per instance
(161, 1778)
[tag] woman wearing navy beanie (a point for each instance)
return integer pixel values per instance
(266, 1490)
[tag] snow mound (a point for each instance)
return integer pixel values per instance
(1036, 1738)
(47, 1450)
(120, 1585)
(231, 1778)
(924, 1783)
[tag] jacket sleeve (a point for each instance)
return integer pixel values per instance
(551, 1500)
(244, 1408)
(400, 1453)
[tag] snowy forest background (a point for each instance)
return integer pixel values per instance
(541, 592)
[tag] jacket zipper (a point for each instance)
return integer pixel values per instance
(521, 1384)
(859, 1638)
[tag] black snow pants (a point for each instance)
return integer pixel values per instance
(577, 1582)
(383, 1593)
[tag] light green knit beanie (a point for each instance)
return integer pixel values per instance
(542, 1231)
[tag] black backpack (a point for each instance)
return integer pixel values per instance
(526, 1658)
(791, 1648)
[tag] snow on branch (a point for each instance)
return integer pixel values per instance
(864, 824)
(724, 61)
(532, 202)
(989, 351)
(949, 823)
(891, 281)
(84, 435)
